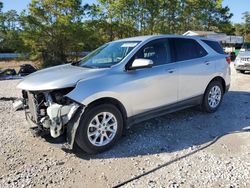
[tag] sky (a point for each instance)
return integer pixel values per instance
(237, 7)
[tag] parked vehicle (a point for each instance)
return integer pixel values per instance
(26, 69)
(242, 62)
(125, 82)
(7, 73)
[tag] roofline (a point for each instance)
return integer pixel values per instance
(152, 37)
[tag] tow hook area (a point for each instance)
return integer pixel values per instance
(58, 116)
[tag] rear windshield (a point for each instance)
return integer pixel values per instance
(215, 46)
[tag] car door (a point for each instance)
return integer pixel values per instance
(195, 70)
(155, 87)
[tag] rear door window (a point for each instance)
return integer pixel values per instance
(186, 49)
(215, 46)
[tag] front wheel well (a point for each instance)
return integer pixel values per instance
(115, 102)
(221, 80)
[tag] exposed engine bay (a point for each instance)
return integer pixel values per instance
(49, 110)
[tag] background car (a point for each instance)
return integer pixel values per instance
(7, 73)
(242, 62)
(26, 69)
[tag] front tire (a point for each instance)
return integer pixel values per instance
(100, 127)
(212, 97)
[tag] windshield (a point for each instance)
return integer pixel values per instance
(107, 55)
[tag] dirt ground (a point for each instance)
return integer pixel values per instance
(27, 161)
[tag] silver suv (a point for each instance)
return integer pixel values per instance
(125, 82)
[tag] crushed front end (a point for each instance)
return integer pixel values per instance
(51, 111)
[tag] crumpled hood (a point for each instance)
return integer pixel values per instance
(57, 77)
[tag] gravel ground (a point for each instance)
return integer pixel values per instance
(27, 161)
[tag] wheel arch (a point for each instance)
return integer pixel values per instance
(220, 79)
(115, 102)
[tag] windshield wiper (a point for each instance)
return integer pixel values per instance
(75, 63)
(87, 66)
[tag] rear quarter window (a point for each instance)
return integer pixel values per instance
(215, 46)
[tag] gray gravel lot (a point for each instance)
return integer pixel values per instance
(27, 161)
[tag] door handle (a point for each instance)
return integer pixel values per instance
(207, 63)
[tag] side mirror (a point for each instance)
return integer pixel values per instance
(141, 63)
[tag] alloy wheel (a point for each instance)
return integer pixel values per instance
(214, 96)
(102, 129)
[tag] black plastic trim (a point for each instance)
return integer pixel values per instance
(194, 101)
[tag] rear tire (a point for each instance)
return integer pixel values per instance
(213, 97)
(99, 129)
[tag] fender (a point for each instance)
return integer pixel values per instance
(111, 86)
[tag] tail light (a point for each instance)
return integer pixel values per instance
(228, 59)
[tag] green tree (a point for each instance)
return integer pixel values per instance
(206, 15)
(10, 40)
(246, 26)
(243, 29)
(53, 29)
(1, 23)
(163, 16)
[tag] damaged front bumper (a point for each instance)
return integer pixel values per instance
(49, 115)
(58, 116)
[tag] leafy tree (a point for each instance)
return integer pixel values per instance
(52, 29)
(246, 26)
(9, 31)
(206, 15)
(164, 16)
(243, 29)
(1, 22)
